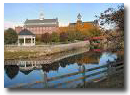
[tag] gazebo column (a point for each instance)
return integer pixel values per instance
(34, 40)
(25, 65)
(24, 40)
(18, 42)
(31, 41)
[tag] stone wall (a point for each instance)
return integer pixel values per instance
(46, 48)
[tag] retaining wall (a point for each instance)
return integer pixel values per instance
(46, 48)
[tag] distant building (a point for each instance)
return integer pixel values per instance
(79, 25)
(40, 26)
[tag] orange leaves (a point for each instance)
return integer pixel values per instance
(85, 28)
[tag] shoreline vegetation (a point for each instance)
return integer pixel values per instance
(16, 52)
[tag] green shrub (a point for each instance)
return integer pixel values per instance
(55, 37)
(10, 36)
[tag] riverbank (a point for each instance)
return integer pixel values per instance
(25, 52)
(113, 81)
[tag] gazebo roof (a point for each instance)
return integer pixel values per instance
(25, 32)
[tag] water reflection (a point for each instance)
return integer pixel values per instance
(50, 67)
(82, 68)
(107, 57)
(11, 70)
(35, 71)
(26, 72)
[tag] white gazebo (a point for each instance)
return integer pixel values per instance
(26, 38)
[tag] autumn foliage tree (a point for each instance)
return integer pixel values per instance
(94, 32)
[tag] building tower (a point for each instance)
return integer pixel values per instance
(79, 17)
(79, 23)
(41, 16)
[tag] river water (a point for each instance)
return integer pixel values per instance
(19, 74)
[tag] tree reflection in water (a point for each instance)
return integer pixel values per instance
(79, 59)
(26, 72)
(84, 61)
(11, 70)
(50, 67)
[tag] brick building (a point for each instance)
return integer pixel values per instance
(40, 26)
(79, 25)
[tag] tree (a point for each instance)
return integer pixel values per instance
(55, 37)
(71, 36)
(63, 37)
(113, 17)
(46, 38)
(79, 35)
(10, 36)
(94, 33)
(75, 34)
(38, 38)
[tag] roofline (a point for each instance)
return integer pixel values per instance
(89, 22)
(85, 22)
(43, 19)
(24, 30)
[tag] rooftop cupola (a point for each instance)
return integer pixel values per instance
(41, 16)
(79, 17)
